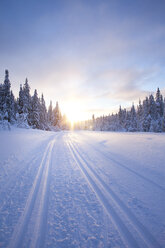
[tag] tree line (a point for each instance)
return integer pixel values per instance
(148, 116)
(28, 110)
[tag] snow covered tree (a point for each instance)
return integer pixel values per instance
(42, 114)
(120, 115)
(50, 114)
(163, 118)
(7, 97)
(152, 107)
(146, 121)
(133, 120)
(159, 111)
(13, 108)
(159, 103)
(24, 101)
(128, 121)
(26, 97)
(152, 113)
(56, 116)
(2, 101)
(121, 119)
(34, 118)
(139, 116)
(27, 110)
(20, 100)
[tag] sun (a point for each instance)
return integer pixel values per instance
(74, 115)
(74, 112)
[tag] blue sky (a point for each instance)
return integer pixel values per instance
(91, 56)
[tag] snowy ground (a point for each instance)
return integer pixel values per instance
(82, 189)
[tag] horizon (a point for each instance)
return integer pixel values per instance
(91, 57)
(72, 118)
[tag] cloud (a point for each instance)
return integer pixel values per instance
(121, 84)
(87, 52)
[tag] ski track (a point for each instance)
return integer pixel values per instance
(21, 169)
(40, 187)
(123, 166)
(127, 236)
(10, 185)
(131, 171)
(102, 189)
(14, 194)
(59, 198)
(75, 217)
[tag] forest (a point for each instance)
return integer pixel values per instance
(30, 111)
(148, 116)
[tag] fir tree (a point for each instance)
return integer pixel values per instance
(146, 117)
(56, 116)
(7, 97)
(139, 116)
(43, 114)
(163, 119)
(34, 117)
(20, 100)
(133, 120)
(13, 108)
(159, 110)
(50, 114)
(26, 97)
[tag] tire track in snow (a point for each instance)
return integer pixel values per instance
(40, 186)
(147, 237)
(127, 237)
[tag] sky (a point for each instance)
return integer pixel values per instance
(89, 55)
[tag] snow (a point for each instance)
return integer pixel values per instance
(81, 189)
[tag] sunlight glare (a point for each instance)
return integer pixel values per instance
(74, 112)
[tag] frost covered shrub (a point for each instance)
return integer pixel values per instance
(5, 125)
(22, 121)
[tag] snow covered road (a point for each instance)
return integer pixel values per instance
(82, 189)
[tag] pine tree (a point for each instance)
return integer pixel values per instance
(43, 114)
(152, 113)
(120, 116)
(57, 116)
(128, 121)
(163, 118)
(2, 101)
(20, 100)
(159, 103)
(26, 97)
(152, 107)
(146, 117)
(121, 119)
(34, 117)
(133, 120)
(139, 116)
(50, 114)
(159, 110)
(7, 97)
(13, 108)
